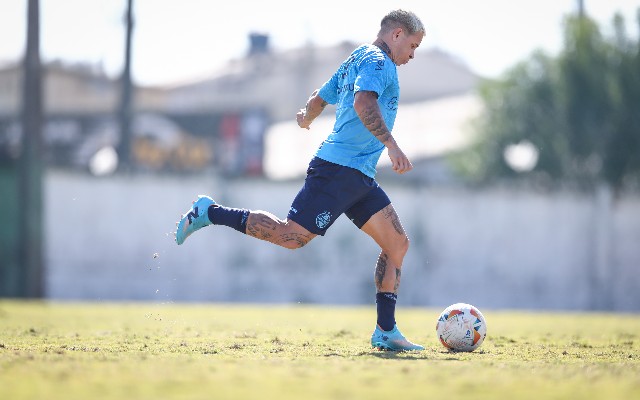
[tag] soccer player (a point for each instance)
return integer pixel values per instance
(340, 178)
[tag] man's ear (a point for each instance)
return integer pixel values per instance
(397, 33)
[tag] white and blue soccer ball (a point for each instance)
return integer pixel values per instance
(461, 327)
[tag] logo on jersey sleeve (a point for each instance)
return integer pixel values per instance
(392, 104)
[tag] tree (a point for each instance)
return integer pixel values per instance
(580, 111)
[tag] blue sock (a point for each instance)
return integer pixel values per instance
(235, 218)
(386, 304)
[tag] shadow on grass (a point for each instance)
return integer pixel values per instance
(412, 355)
(396, 355)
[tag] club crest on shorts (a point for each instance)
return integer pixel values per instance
(323, 219)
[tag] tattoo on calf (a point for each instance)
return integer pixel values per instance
(262, 227)
(381, 269)
(259, 232)
(266, 222)
(396, 285)
(300, 239)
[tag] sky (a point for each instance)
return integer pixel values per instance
(178, 41)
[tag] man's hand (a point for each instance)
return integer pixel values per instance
(399, 161)
(314, 107)
(367, 108)
(301, 120)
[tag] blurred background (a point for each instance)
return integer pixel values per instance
(522, 121)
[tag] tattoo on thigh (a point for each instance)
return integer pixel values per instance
(381, 269)
(390, 213)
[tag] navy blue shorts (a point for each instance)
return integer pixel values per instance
(331, 190)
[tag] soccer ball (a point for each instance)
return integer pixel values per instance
(461, 327)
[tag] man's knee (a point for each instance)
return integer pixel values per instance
(295, 237)
(398, 250)
(407, 242)
(404, 246)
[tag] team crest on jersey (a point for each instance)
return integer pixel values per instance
(323, 219)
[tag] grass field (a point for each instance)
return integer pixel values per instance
(186, 351)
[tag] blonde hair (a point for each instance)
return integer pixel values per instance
(403, 19)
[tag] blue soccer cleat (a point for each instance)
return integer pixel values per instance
(392, 340)
(197, 217)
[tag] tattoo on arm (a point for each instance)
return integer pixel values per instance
(322, 106)
(313, 108)
(372, 120)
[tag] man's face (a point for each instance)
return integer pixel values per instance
(404, 46)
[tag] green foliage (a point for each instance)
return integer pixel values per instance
(168, 351)
(581, 111)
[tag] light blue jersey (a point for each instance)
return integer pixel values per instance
(351, 144)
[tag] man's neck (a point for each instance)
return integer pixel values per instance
(379, 42)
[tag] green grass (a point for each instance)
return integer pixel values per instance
(186, 351)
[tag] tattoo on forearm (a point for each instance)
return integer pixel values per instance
(372, 120)
(381, 269)
(310, 112)
(390, 213)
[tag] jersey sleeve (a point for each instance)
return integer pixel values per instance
(329, 91)
(372, 75)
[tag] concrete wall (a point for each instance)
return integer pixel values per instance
(111, 239)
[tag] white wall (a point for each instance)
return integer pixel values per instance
(493, 248)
